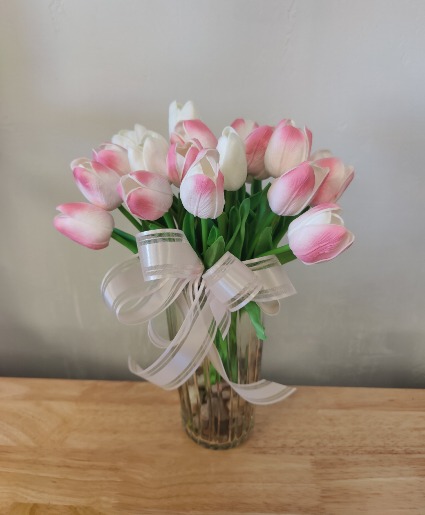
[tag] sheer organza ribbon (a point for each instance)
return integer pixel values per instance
(171, 272)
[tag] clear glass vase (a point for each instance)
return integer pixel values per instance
(213, 414)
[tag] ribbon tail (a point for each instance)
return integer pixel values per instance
(187, 350)
(261, 392)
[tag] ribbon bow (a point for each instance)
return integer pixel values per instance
(173, 273)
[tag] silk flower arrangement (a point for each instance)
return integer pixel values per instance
(209, 249)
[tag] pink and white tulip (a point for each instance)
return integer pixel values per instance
(290, 193)
(146, 195)
(180, 158)
(129, 138)
(255, 147)
(232, 161)
(244, 127)
(97, 183)
(336, 182)
(187, 130)
(113, 156)
(179, 112)
(85, 224)
(319, 234)
(202, 189)
(287, 148)
(150, 154)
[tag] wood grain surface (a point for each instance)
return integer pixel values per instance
(98, 447)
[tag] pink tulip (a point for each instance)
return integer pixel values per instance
(232, 159)
(97, 183)
(178, 112)
(150, 154)
(287, 148)
(187, 130)
(319, 234)
(336, 182)
(129, 138)
(202, 189)
(113, 156)
(180, 158)
(85, 224)
(146, 195)
(290, 193)
(255, 146)
(244, 127)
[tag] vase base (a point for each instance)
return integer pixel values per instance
(220, 441)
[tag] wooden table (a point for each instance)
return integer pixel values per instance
(94, 447)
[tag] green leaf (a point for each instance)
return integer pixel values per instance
(234, 226)
(265, 242)
(254, 312)
(215, 252)
(236, 247)
(153, 226)
(213, 235)
(189, 229)
(222, 222)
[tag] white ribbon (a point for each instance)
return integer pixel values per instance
(169, 267)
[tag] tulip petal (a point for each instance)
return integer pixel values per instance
(244, 127)
(255, 147)
(317, 243)
(85, 224)
(113, 156)
(232, 159)
(287, 148)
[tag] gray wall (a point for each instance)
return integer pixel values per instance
(74, 72)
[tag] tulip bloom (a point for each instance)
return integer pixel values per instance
(287, 148)
(150, 154)
(187, 130)
(130, 138)
(202, 189)
(255, 147)
(178, 112)
(336, 182)
(290, 193)
(97, 183)
(244, 127)
(113, 156)
(232, 162)
(146, 195)
(85, 224)
(319, 234)
(180, 158)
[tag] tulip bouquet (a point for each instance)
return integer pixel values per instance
(238, 195)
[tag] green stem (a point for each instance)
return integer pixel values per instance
(257, 186)
(131, 218)
(125, 235)
(284, 254)
(117, 237)
(204, 228)
(169, 221)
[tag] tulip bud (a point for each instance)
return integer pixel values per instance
(255, 147)
(202, 189)
(319, 234)
(232, 159)
(180, 158)
(113, 156)
(244, 127)
(179, 112)
(97, 183)
(129, 138)
(336, 182)
(150, 154)
(146, 195)
(290, 193)
(85, 224)
(287, 148)
(187, 130)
